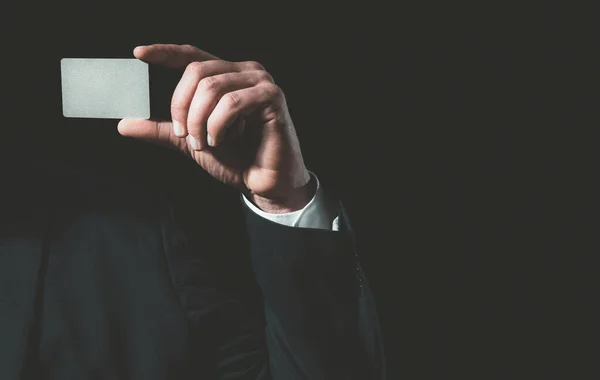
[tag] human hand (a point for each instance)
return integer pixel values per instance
(233, 121)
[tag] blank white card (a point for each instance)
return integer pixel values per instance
(105, 88)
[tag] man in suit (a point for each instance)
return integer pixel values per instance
(101, 278)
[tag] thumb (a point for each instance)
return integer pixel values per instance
(155, 131)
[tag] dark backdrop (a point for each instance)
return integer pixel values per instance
(434, 123)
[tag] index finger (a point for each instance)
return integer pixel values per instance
(171, 55)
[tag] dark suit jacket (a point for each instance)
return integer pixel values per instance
(101, 278)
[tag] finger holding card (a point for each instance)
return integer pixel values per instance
(214, 97)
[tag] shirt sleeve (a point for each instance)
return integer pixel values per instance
(314, 215)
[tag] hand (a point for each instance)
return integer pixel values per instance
(233, 121)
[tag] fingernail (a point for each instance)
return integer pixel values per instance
(195, 144)
(209, 140)
(178, 129)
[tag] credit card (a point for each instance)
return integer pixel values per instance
(116, 88)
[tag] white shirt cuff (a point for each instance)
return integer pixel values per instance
(314, 215)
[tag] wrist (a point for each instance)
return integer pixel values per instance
(294, 200)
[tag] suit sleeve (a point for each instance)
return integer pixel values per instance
(321, 320)
(308, 312)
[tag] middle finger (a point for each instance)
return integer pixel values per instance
(184, 92)
(210, 90)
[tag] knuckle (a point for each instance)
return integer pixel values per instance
(232, 100)
(196, 66)
(273, 91)
(209, 84)
(264, 76)
(253, 65)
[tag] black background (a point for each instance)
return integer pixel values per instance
(440, 126)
